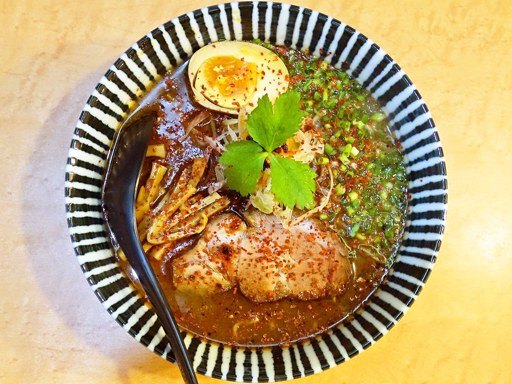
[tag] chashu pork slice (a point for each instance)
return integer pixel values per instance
(267, 261)
(211, 266)
(302, 261)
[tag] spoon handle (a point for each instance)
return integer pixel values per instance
(156, 296)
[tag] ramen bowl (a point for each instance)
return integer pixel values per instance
(166, 47)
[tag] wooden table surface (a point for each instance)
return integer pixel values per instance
(54, 330)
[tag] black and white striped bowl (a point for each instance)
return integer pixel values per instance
(168, 46)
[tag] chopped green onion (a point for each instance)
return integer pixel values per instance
(347, 150)
(354, 230)
(331, 103)
(378, 117)
(353, 195)
(339, 189)
(360, 236)
(307, 85)
(345, 125)
(329, 150)
(325, 95)
(343, 158)
(359, 124)
(341, 107)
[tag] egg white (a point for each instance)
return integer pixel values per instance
(272, 76)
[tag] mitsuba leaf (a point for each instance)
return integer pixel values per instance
(272, 126)
(287, 115)
(245, 163)
(260, 125)
(293, 182)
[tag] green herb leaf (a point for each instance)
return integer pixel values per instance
(293, 182)
(271, 127)
(245, 160)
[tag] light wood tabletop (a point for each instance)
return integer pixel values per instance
(53, 328)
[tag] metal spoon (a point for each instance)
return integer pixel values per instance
(123, 168)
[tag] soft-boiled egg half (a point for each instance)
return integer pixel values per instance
(229, 75)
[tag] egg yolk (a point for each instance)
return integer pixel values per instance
(227, 81)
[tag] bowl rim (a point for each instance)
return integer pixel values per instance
(126, 81)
